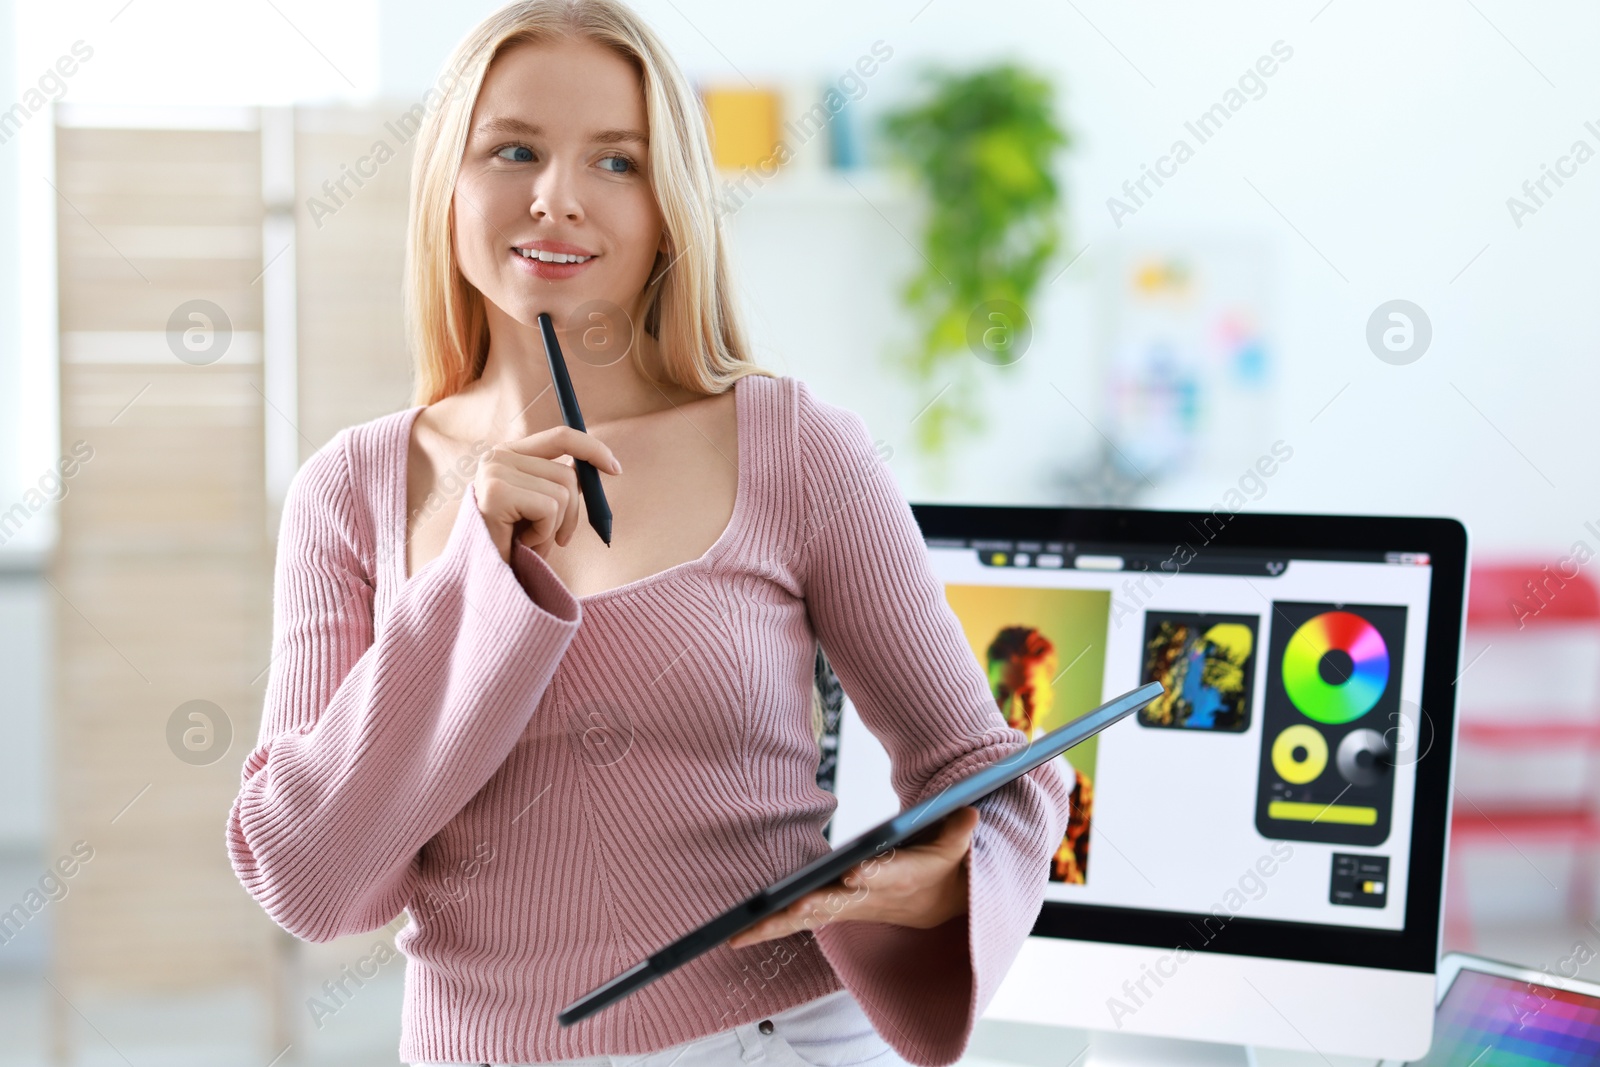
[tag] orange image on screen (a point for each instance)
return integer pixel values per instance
(1022, 664)
(1043, 653)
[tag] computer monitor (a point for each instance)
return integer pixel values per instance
(1256, 859)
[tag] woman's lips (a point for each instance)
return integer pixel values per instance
(551, 271)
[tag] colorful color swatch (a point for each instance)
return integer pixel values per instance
(1335, 700)
(1489, 1021)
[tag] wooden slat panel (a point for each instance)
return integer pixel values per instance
(180, 468)
(353, 361)
(163, 571)
(120, 187)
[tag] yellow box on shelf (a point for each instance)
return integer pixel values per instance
(744, 125)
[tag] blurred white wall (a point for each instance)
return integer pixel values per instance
(1377, 165)
(23, 622)
(10, 382)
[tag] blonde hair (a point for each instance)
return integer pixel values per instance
(689, 304)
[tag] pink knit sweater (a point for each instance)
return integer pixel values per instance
(556, 786)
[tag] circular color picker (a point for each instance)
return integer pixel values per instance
(1335, 702)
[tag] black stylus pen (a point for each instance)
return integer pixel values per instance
(594, 498)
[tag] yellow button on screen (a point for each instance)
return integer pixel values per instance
(1299, 754)
(1295, 811)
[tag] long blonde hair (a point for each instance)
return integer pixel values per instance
(689, 303)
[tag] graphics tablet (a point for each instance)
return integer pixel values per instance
(916, 822)
(1497, 1014)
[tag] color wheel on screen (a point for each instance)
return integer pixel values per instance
(1326, 697)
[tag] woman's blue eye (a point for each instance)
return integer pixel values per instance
(618, 159)
(522, 153)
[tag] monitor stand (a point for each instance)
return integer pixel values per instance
(1136, 1050)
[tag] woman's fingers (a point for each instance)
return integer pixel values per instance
(549, 505)
(817, 908)
(565, 441)
(955, 833)
(508, 495)
(569, 517)
(560, 482)
(524, 482)
(912, 885)
(845, 900)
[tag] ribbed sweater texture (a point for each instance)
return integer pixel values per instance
(553, 787)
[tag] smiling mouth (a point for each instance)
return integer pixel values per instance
(550, 257)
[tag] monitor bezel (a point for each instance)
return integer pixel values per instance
(1415, 947)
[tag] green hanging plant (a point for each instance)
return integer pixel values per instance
(982, 144)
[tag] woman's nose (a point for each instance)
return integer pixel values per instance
(555, 194)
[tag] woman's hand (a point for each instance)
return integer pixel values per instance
(525, 481)
(914, 885)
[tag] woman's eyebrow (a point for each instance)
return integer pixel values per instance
(528, 129)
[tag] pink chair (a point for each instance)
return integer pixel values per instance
(1552, 602)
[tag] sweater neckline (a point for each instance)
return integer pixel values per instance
(743, 433)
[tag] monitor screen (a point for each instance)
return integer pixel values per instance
(1275, 781)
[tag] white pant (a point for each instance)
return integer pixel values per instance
(831, 1031)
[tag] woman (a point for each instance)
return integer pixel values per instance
(558, 755)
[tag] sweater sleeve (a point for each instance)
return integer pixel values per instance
(375, 733)
(901, 654)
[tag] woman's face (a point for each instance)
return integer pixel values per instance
(556, 156)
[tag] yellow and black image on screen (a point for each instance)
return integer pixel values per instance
(1043, 651)
(1207, 663)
